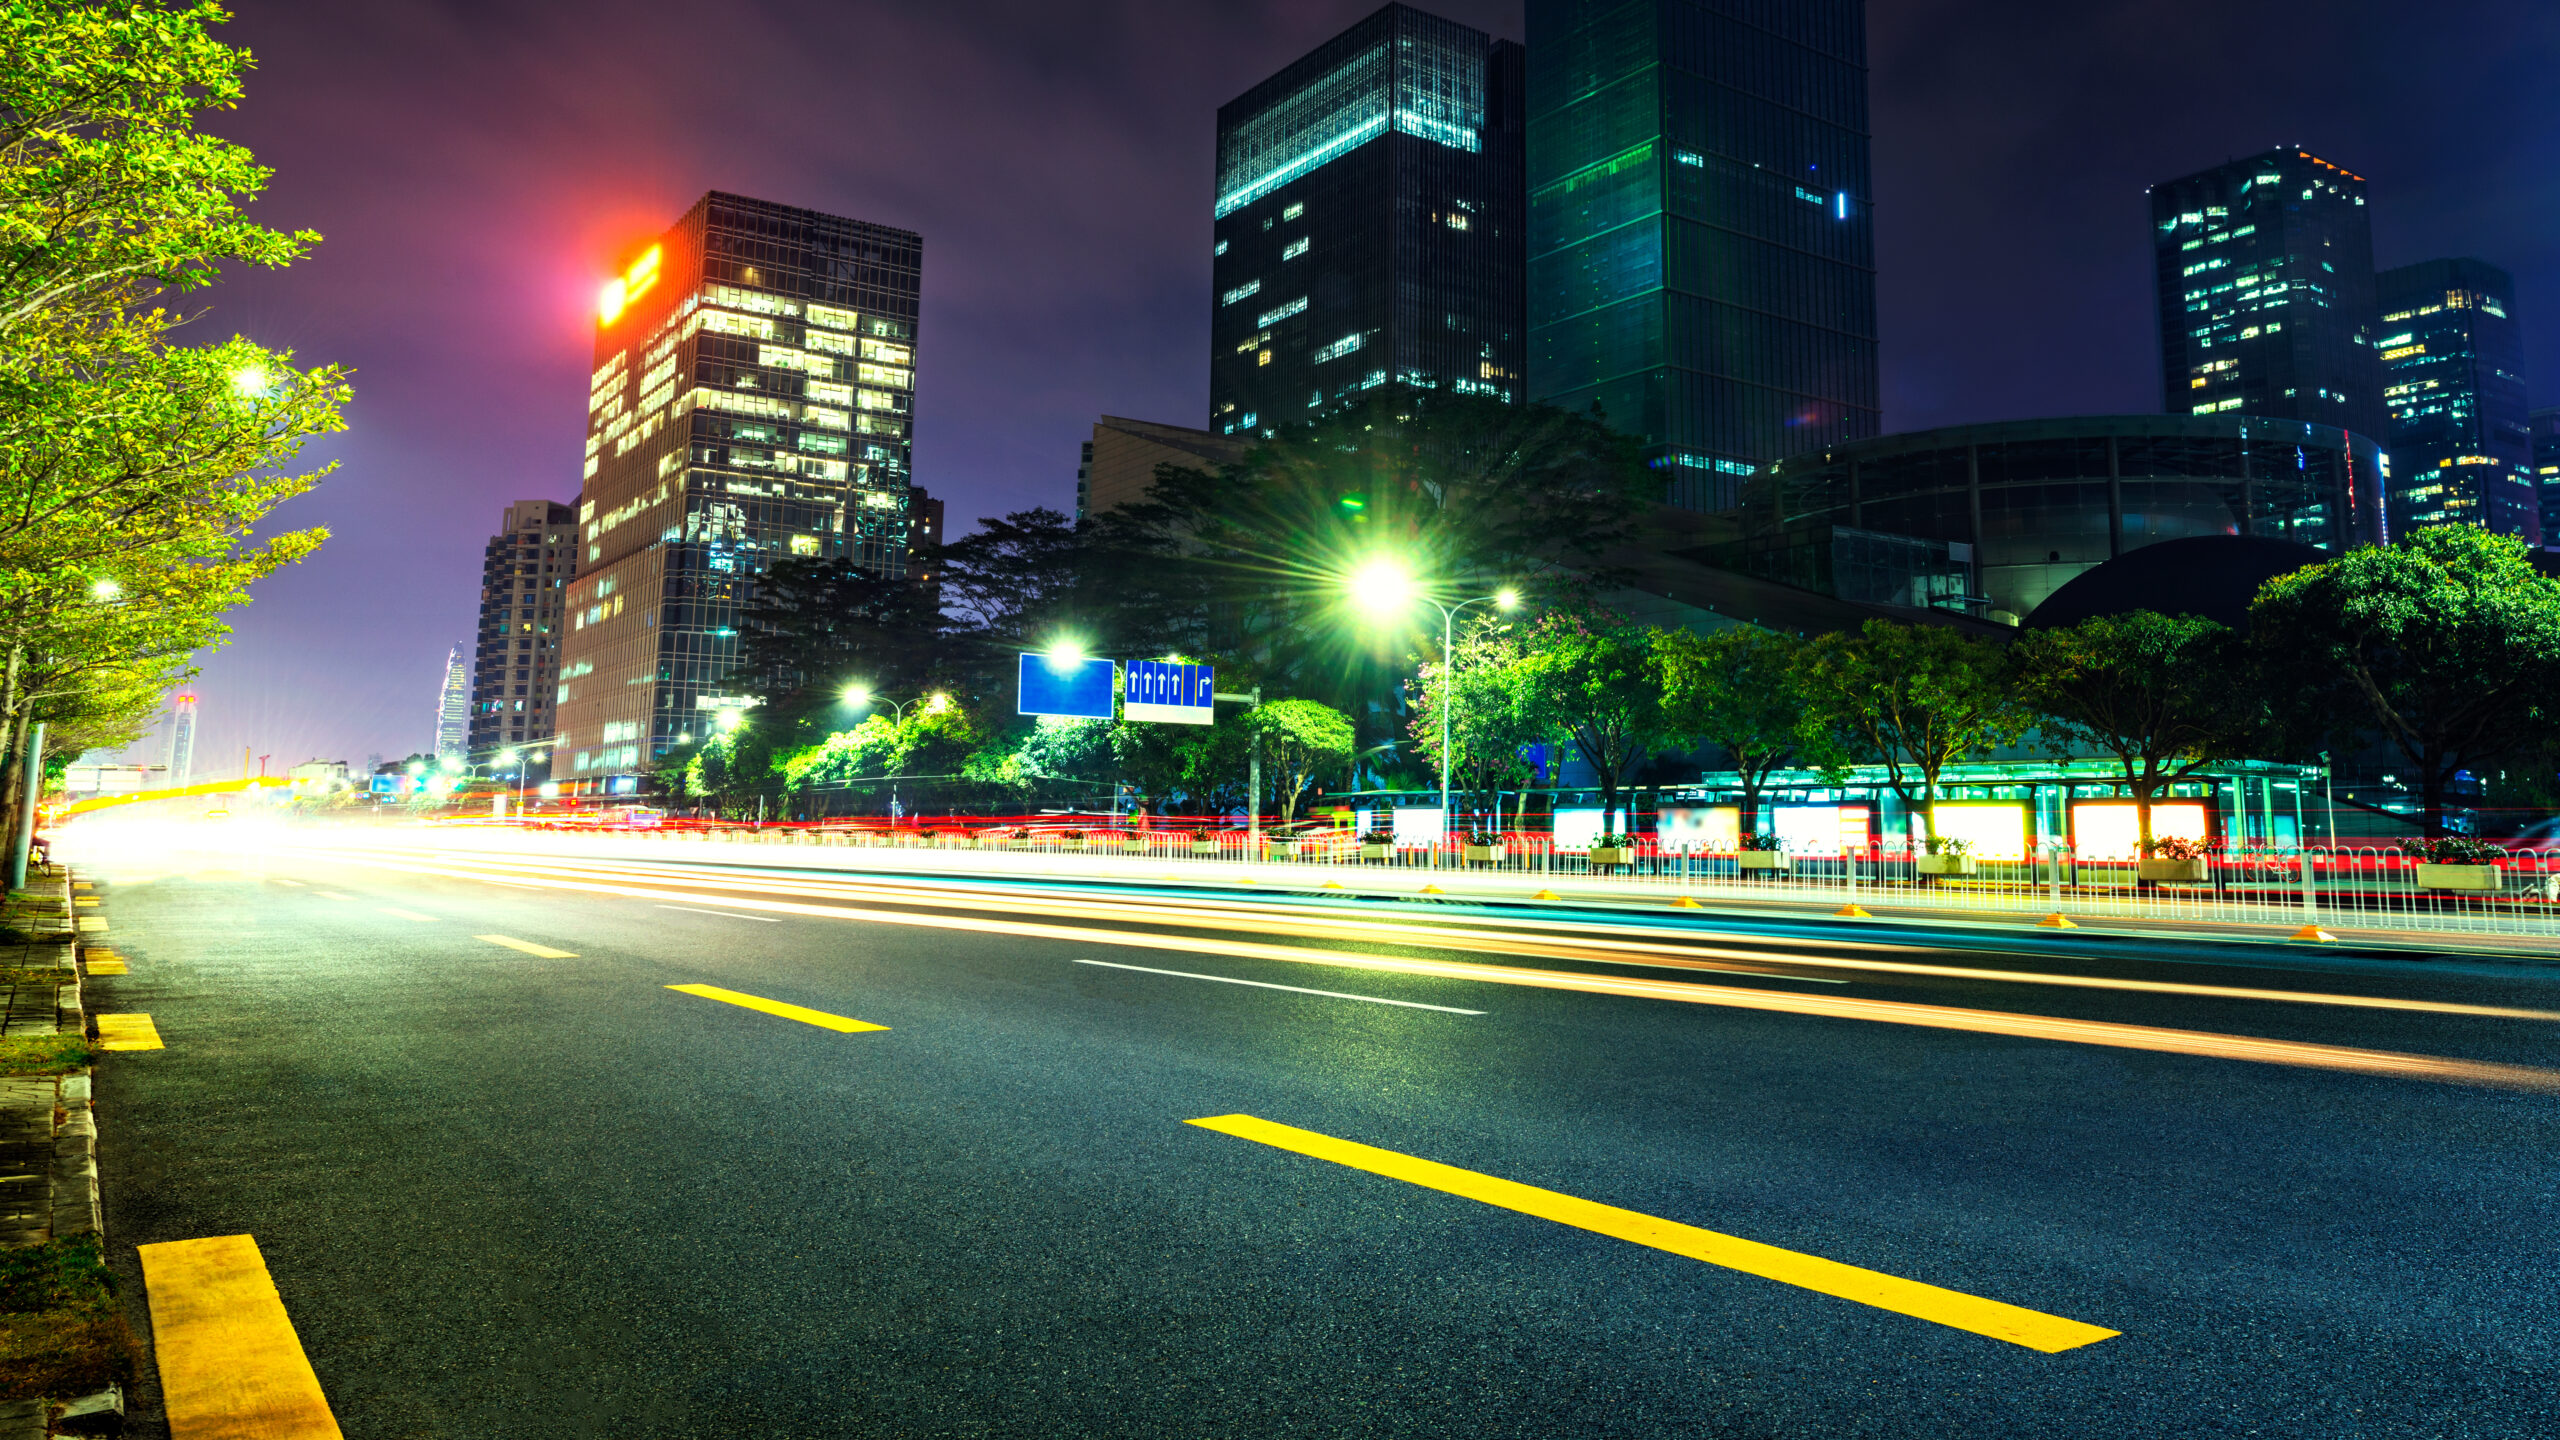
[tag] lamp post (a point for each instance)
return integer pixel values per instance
(859, 696)
(1383, 586)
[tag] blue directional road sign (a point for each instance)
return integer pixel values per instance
(1079, 688)
(1169, 691)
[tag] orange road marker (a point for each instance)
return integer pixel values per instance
(1546, 895)
(1685, 903)
(1853, 912)
(2314, 933)
(1431, 890)
(2057, 921)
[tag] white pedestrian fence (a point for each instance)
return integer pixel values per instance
(2348, 887)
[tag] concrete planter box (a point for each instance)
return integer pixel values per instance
(2481, 878)
(2187, 870)
(1947, 864)
(1376, 852)
(1480, 854)
(1762, 860)
(1611, 855)
(1075, 844)
(1204, 847)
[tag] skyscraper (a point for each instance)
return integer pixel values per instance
(453, 709)
(753, 398)
(2545, 425)
(1368, 225)
(182, 740)
(2266, 300)
(2453, 375)
(524, 582)
(1701, 252)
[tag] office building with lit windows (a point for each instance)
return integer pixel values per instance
(515, 667)
(753, 398)
(2544, 425)
(1367, 225)
(2266, 299)
(1701, 246)
(2453, 375)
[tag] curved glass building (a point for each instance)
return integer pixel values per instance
(1993, 518)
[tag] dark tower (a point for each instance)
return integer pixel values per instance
(1368, 225)
(1701, 246)
(2265, 274)
(2453, 375)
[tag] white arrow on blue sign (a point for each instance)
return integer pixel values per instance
(1168, 691)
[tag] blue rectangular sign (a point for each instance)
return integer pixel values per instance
(1169, 691)
(1078, 689)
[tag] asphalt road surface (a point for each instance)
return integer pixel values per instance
(509, 1183)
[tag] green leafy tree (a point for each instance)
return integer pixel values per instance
(2165, 695)
(1304, 743)
(816, 626)
(1738, 689)
(1912, 698)
(133, 471)
(1489, 714)
(2449, 642)
(1589, 676)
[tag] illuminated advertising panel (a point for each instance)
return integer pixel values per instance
(2111, 830)
(1576, 829)
(1821, 829)
(1996, 829)
(1699, 829)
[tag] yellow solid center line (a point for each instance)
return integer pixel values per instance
(806, 1016)
(128, 1032)
(231, 1367)
(399, 914)
(541, 951)
(2015, 1324)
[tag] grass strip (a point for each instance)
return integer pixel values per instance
(61, 1331)
(43, 1054)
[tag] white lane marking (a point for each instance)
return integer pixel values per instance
(723, 914)
(1292, 989)
(331, 895)
(398, 914)
(283, 881)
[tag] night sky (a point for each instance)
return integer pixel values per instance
(475, 167)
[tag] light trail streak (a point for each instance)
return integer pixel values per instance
(2305, 1054)
(1265, 918)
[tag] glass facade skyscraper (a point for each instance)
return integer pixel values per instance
(2453, 375)
(2545, 425)
(1367, 225)
(1701, 245)
(2266, 300)
(524, 582)
(753, 398)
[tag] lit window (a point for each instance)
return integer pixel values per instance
(1457, 221)
(1281, 313)
(821, 416)
(834, 318)
(1339, 348)
(804, 544)
(875, 400)
(754, 327)
(1264, 358)
(1218, 249)
(887, 375)
(1294, 211)
(887, 354)
(1296, 248)
(1250, 287)
(831, 394)
(832, 344)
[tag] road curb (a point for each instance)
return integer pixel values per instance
(68, 1168)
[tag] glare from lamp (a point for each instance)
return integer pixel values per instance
(1382, 586)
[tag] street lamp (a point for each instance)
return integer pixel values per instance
(1384, 587)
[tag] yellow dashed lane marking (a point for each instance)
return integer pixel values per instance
(107, 967)
(804, 1015)
(2031, 1328)
(128, 1032)
(543, 951)
(231, 1367)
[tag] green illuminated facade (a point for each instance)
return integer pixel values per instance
(1701, 240)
